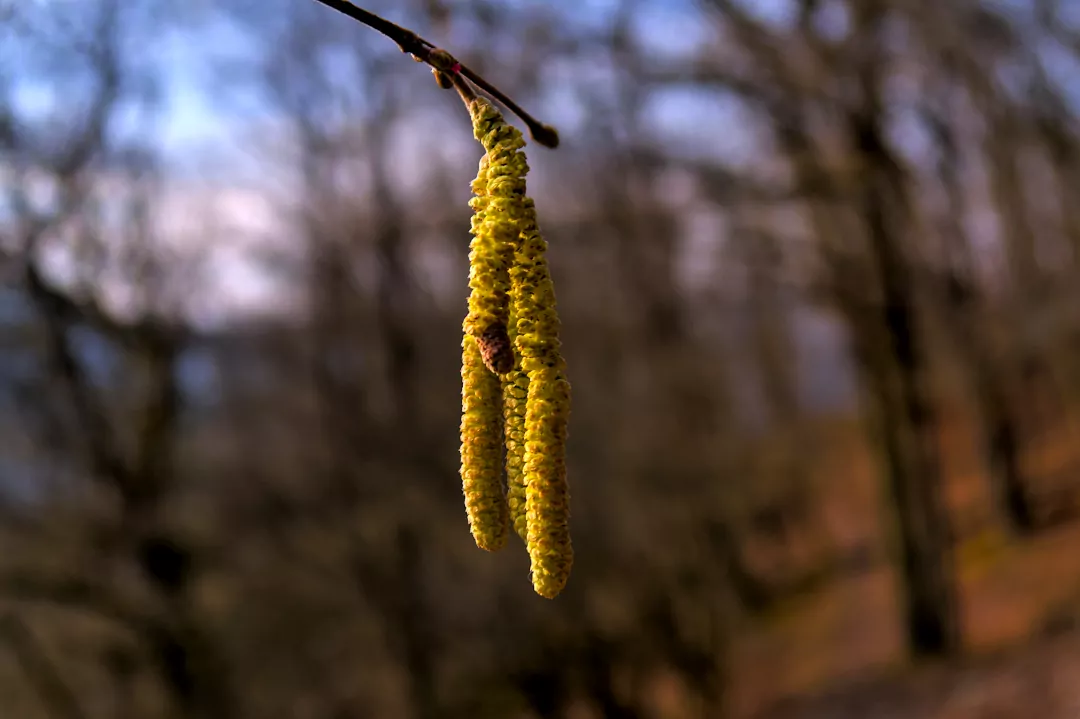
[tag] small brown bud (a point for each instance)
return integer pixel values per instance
(442, 60)
(444, 80)
(496, 349)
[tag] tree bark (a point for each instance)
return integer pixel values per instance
(897, 367)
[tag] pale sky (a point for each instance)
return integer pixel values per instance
(212, 170)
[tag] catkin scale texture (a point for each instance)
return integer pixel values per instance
(515, 394)
(481, 449)
(547, 496)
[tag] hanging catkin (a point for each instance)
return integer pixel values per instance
(546, 417)
(481, 421)
(499, 189)
(481, 450)
(536, 438)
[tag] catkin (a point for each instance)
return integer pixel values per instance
(499, 215)
(481, 450)
(546, 495)
(515, 391)
(499, 189)
(537, 343)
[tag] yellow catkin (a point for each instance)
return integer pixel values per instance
(499, 189)
(515, 388)
(481, 449)
(512, 305)
(547, 497)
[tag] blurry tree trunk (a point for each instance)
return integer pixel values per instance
(1053, 126)
(394, 588)
(398, 592)
(1006, 135)
(999, 427)
(1028, 297)
(1052, 119)
(338, 393)
(130, 459)
(887, 345)
(888, 352)
(188, 655)
(927, 586)
(395, 297)
(188, 662)
(966, 323)
(390, 578)
(688, 392)
(896, 365)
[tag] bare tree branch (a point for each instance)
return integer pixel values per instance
(444, 65)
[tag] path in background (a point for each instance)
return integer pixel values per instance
(844, 639)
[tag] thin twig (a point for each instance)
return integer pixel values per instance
(443, 62)
(464, 89)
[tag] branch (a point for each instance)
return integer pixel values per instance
(1048, 15)
(444, 65)
(145, 475)
(108, 463)
(154, 339)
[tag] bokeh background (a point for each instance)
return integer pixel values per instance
(818, 266)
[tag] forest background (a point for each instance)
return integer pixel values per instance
(818, 267)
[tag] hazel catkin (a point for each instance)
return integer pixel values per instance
(514, 376)
(536, 341)
(499, 188)
(546, 495)
(481, 449)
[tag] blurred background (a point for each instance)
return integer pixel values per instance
(818, 266)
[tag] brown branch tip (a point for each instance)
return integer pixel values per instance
(449, 73)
